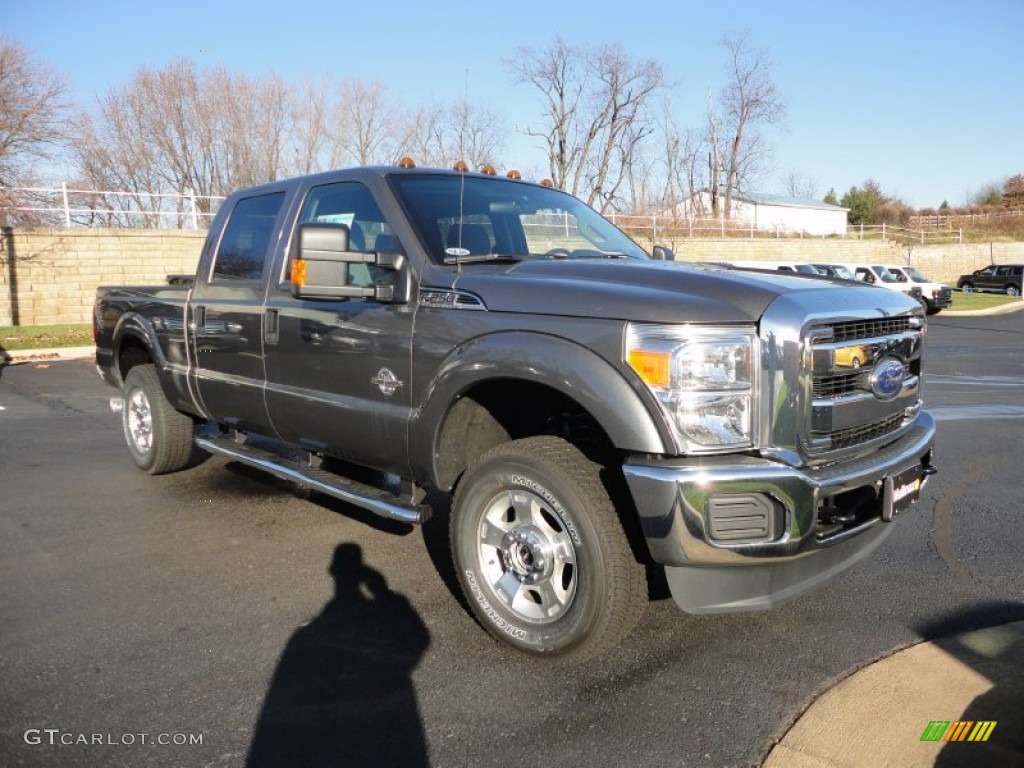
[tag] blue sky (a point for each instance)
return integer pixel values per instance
(926, 98)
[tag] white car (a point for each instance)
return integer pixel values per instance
(778, 266)
(936, 295)
(873, 274)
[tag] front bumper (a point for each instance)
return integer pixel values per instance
(821, 520)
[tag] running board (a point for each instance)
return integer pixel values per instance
(358, 494)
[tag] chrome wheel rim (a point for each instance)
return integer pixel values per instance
(527, 557)
(140, 421)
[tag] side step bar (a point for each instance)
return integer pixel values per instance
(358, 494)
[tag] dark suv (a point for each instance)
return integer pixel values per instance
(1005, 278)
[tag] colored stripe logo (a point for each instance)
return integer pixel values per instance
(958, 730)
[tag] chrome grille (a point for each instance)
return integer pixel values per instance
(853, 330)
(835, 386)
(845, 412)
(846, 438)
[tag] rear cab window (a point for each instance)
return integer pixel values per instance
(245, 245)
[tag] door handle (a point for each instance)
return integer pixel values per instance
(198, 324)
(271, 326)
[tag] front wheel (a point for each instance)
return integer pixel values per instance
(541, 554)
(967, 287)
(159, 437)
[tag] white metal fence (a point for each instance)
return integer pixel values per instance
(70, 207)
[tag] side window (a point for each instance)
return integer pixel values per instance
(247, 236)
(350, 203)
(865, 275)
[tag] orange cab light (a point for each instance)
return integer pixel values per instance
(406, 162)
(460, 166)
(488, 170)
(298, 271)
(547, 183)
(514, 174)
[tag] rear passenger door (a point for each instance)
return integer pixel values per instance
(226, 314)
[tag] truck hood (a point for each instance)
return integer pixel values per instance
(627, 289)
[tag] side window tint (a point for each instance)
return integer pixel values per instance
(247, 236)
(350, 203)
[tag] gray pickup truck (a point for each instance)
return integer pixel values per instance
(378, 333)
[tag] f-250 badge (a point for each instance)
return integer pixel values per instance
(386, 382)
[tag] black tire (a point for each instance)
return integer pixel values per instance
(967, 287)
(541, 554)
(159, 438)
(1012, 290)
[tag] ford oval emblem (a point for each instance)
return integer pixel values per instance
(887, 378)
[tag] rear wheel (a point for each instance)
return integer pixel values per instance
(159, 437)
(1012, 290)
(541, 554)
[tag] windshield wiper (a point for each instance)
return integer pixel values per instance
(499, 258)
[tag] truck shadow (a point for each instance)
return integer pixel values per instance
(342, 693)
(998, 655)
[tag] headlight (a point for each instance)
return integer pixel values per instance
(703, 377)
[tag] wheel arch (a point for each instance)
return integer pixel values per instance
(513, 385)
(135, 343)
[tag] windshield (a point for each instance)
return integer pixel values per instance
(915, 274)
(838, 270)
(483, 218)
(885, 275)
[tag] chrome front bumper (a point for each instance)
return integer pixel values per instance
(673, 498)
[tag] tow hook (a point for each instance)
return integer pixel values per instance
(117, 404)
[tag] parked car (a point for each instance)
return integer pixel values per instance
(835, 270)
(1003, 278)
(877, 275)
(777, 266)
(936, 296)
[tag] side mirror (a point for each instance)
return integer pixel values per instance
(663, 253)
(320, 267)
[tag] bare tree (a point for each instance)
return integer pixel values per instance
(34, 108)
(367, 124)
(681, 158)
(182, 130)
(799, 184)
(750, 101)
(713, 137)
(595, 117)
(310, 136)
(440, 134)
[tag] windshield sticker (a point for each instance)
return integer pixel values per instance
(457, 251)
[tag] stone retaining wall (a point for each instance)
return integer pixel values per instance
(53, 275)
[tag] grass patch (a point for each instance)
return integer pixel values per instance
(14, 337)
(969, 301)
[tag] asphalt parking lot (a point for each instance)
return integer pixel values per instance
(244, 622)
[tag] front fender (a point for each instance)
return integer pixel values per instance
(557, 363)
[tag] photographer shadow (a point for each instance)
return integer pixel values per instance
(342, 693)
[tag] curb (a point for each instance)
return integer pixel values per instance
(1002, 309)
(877, 715)
(15, 356)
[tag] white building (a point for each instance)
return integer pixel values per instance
(771, 213)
